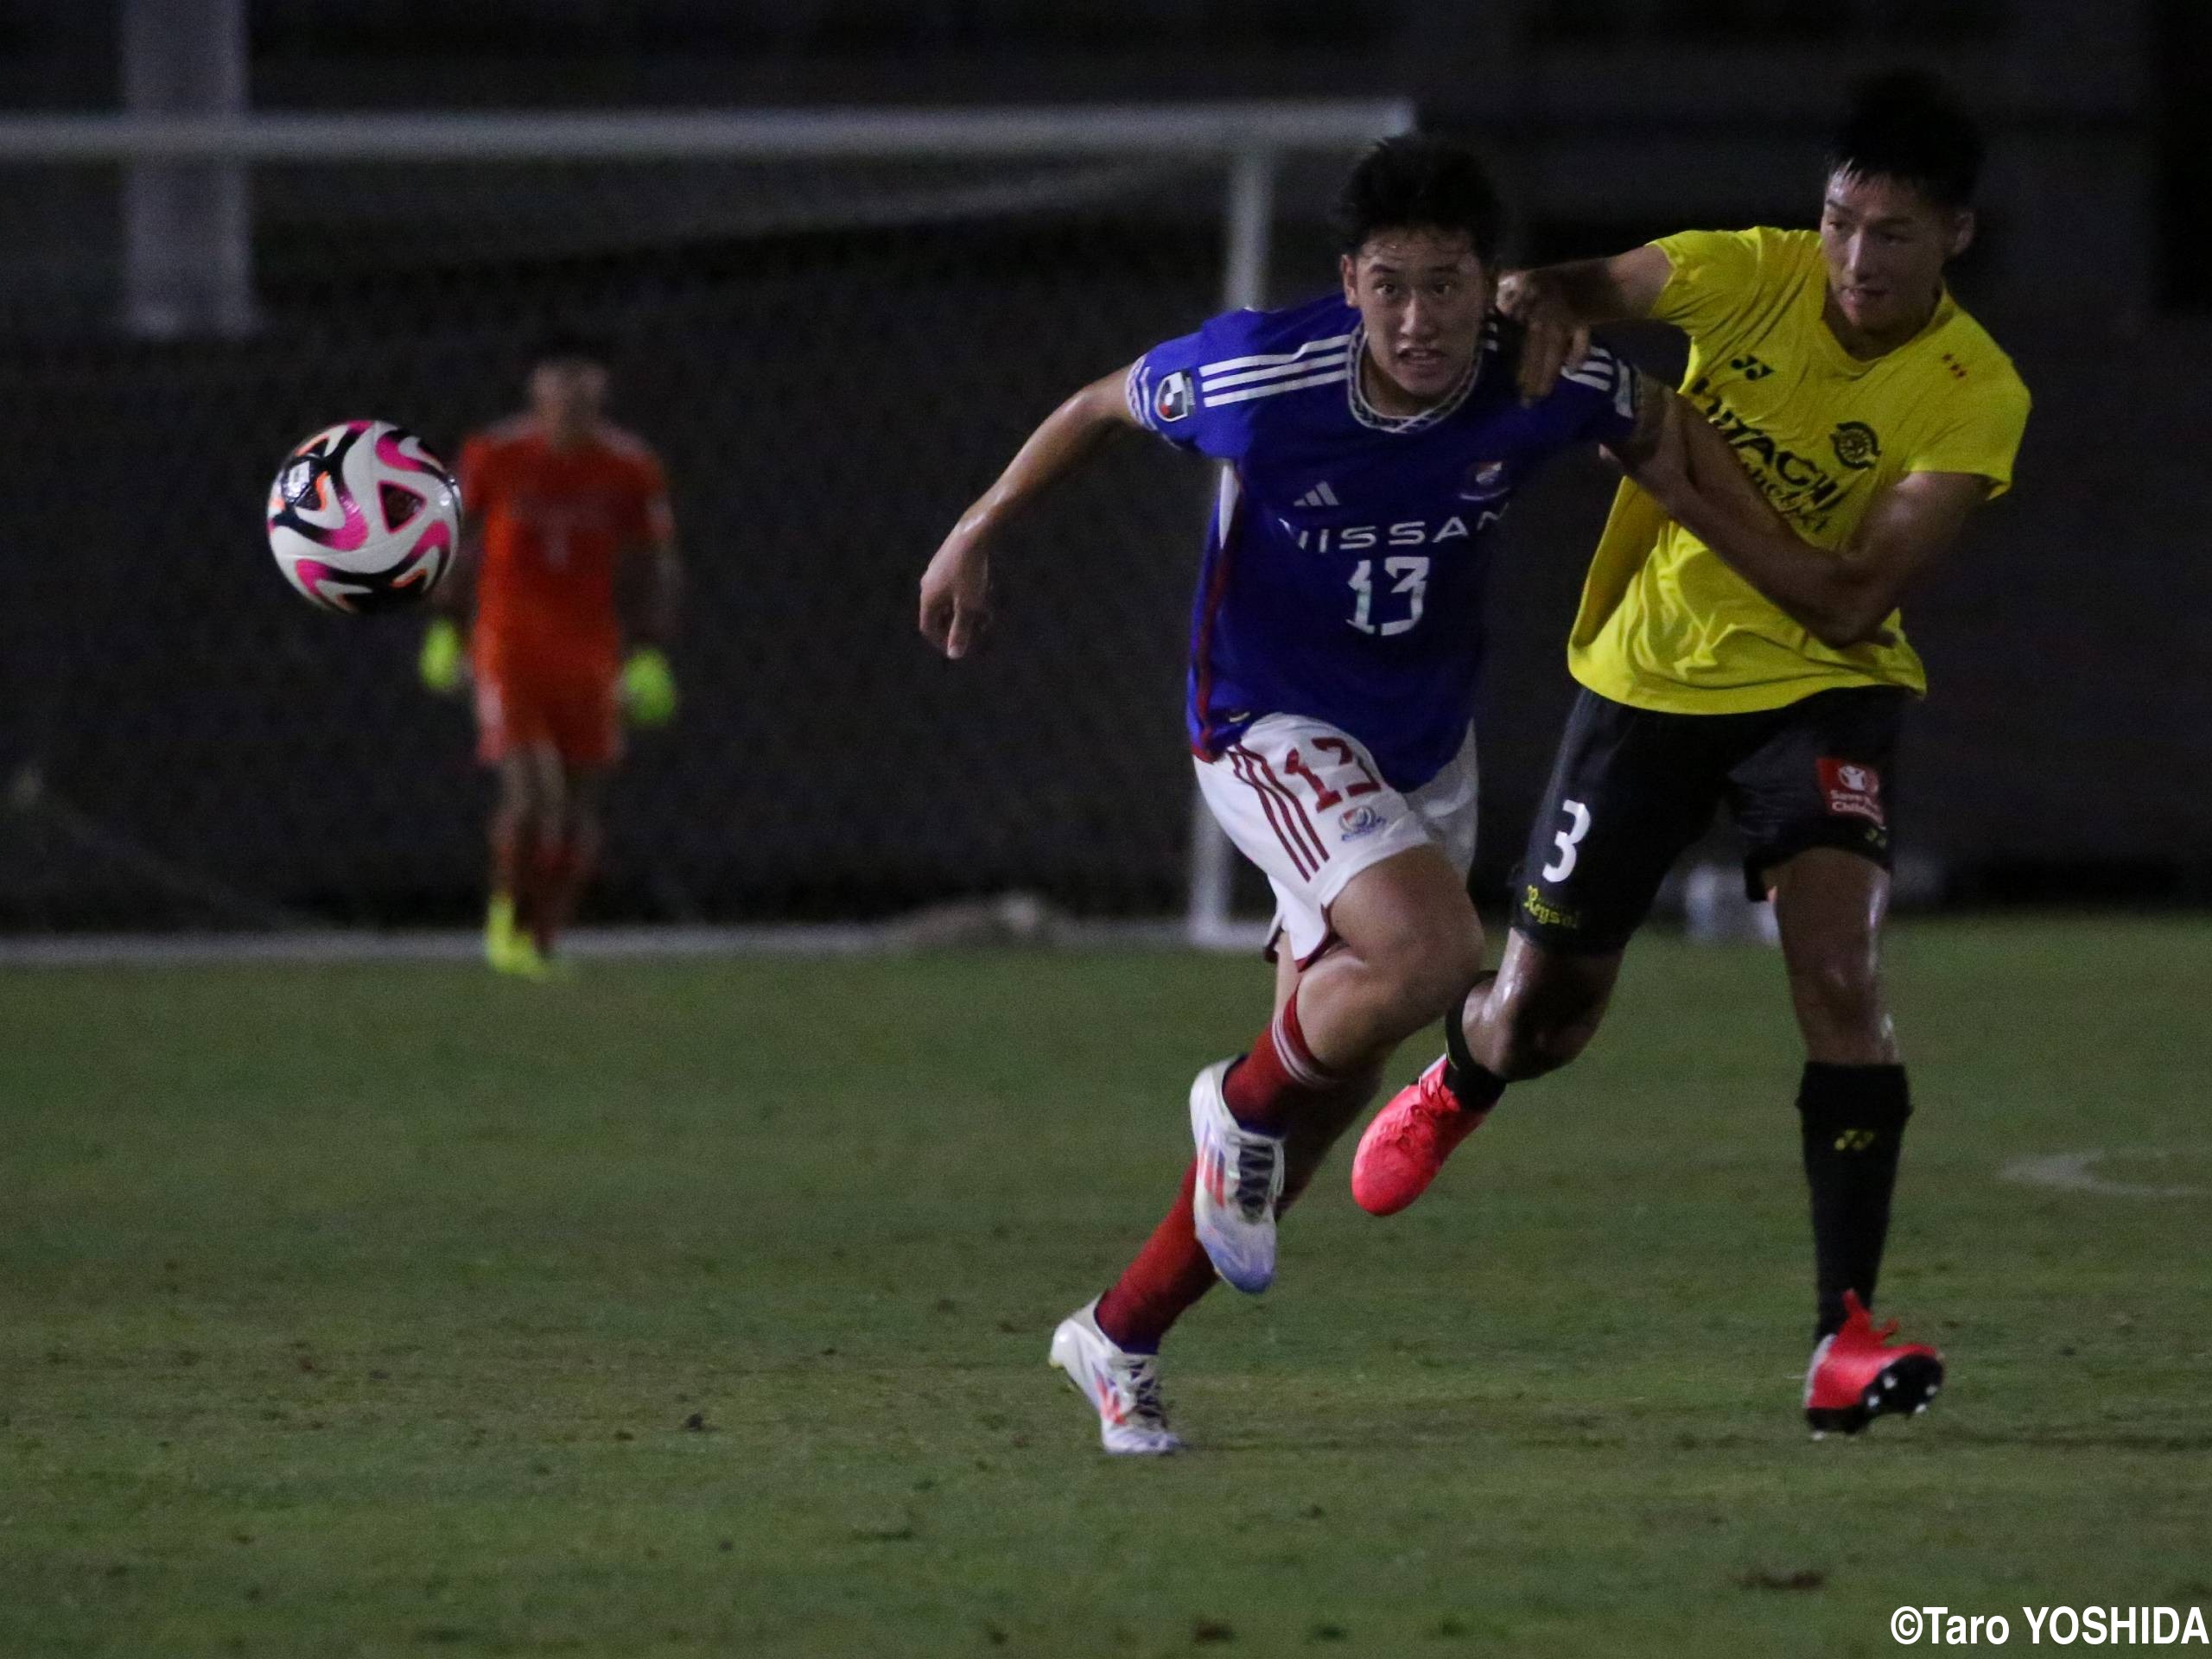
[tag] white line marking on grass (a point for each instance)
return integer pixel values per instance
(987, 923)
(2076, 1171)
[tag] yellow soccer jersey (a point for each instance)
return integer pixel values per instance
(1664, 624)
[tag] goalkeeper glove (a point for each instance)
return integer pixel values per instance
(648, 688)
(440, 661)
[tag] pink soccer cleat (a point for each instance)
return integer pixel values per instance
(1408, 1143)
(1855, 1378)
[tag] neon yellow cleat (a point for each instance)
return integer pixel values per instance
(507, 947)
(511, 950)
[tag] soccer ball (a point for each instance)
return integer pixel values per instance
(362, 517)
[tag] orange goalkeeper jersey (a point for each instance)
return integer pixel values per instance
(556, 524)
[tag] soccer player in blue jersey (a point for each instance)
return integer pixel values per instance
(1370, 441)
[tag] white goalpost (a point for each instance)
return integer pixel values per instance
(223, 157)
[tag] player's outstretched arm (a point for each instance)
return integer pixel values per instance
(955, 588)
(1557, 305)
(1841, 596)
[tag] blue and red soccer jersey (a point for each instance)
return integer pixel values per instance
(1345, 565)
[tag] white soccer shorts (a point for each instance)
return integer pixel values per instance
(1307, 805)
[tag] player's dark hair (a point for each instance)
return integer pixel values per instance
(1417, 182)
(1908, 127)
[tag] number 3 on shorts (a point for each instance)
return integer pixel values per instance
(1578, 825)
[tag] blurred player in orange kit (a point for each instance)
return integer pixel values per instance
(568, 527)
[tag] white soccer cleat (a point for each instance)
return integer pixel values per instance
(1124, 1387)
(1239, 1181)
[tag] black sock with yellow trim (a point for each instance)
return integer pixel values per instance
(1853, 1118)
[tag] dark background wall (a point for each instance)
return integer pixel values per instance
(834, 361)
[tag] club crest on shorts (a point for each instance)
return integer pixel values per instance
(1359, 821)
(1852, 790)
(1172, 399)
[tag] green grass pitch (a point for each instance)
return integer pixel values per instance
(703, 1307)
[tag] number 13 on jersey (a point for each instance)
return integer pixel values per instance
(1410, 573)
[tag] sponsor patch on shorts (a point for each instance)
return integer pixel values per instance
(1853, 789)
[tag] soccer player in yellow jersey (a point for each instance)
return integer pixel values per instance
(1752, 656)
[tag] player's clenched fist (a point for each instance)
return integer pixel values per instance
(955, 595)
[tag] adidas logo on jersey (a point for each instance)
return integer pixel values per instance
(1319, 496)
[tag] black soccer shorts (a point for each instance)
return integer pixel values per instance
(1632, 788)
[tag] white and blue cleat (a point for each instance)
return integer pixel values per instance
(1239, 1184)
(1123, 1388)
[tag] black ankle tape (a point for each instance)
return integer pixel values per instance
(1473, 1083)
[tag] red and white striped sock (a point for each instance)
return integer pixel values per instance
(1270, 1087)
(1282, 1079)
(1172, 1271)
